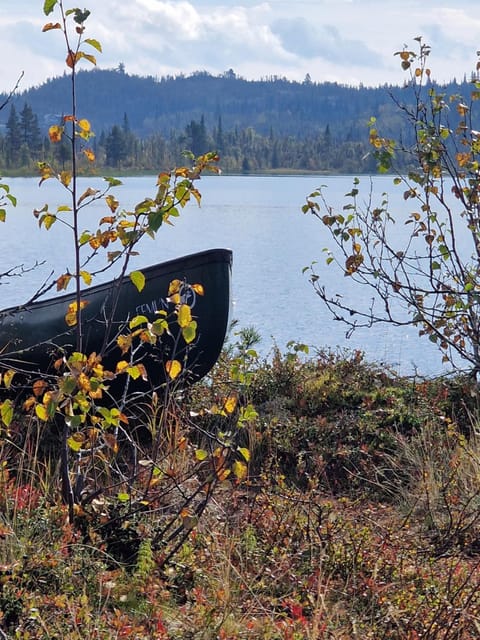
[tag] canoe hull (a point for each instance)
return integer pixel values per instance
(33, 337)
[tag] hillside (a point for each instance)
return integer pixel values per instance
(143, 123)
(170, 103)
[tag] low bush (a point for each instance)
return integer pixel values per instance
(357, 519)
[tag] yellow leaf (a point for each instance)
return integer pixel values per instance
(94, 43)
(245, 453)
(137, 321)
(184, 316)
(189, 333)
(65, 178)
(71, 317)
(198, 288)
(201, 454)
(41, 412)
(28, 404)
(8, 377)
(121, 416)
(47, 220)
(138, 280)
(163, 179)
(84, 124)
(55, 133)
(46, 172)
(134, 372)
(112, 204)
(239, 469)
(463, 158)
(83, 382)
(196, 194)
(89, 155)
(173, 368)
(125, 343)
(6, 412)
(158, 327)
(125, 224)
(122, 366)
(86, 277)
(98, 370)
(90, 58)
(137, 371)
(77, 360)
(230, 404)
(75, 441)
(48, 399)
(174, 287)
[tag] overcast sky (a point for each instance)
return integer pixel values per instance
(347, 41)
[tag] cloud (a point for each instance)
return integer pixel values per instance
(308, 40)
(350, 41)
(181, 37)
(38, 52)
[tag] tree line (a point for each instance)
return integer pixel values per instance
(23, 144)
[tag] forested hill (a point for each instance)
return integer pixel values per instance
(170, 103)
(142, 123)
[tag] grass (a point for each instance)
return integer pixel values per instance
(358, 517)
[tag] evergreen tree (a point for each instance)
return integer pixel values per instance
(275, 157)
(197, 139)
(327, 136)
(30, 131)
(218, 136)
(129, 141)
(63, 152)
(116, 147)
(13, 139)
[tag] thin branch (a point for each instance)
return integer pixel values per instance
(12, 92)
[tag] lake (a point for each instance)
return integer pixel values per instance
(260, 219)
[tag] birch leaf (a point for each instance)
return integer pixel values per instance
(138, 280)
(173, 368)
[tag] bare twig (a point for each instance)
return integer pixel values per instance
(12, 92)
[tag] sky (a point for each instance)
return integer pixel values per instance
(351, 42)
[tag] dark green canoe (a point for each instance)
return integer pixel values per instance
(33, 336)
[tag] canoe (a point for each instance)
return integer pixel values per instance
(33, 336)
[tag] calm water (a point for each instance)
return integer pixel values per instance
(260, 219)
